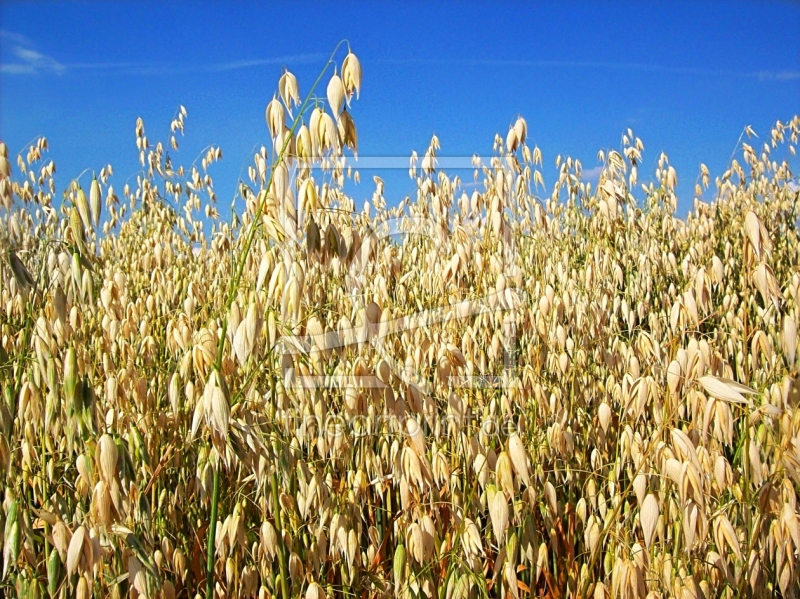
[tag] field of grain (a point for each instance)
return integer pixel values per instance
(504, 392)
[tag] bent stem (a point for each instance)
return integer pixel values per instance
(282, 558)
(235, 281)
(212, 533)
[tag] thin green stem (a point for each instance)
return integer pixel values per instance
(234, 286)
(212, 529)
(282, 557)
(611, 520)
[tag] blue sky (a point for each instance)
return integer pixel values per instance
(687, 77)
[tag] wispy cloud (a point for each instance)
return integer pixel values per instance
(26, 59)
(15, 38)
(144, 68)
(29, 61)
(777, 75)
(591, 174)
(101, 65)
(257, 62)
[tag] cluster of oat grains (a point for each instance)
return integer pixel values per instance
(573, 396)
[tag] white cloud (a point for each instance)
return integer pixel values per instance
(37, 60)
(15, 38)
(16, 69)
(591, 174)
(28, 61)
(763, 75)
(244, 64)
(777, 75)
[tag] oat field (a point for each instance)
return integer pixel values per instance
(498, 389)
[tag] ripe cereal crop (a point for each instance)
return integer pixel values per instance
(481, 391)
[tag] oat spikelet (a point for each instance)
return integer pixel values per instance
(648, 517)
(335, 94)
(276, 117)
(725, 389)
(107, 455)
(351, 75)
(519, 458)
(95, 201)
(498, 512)
(289, 90)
